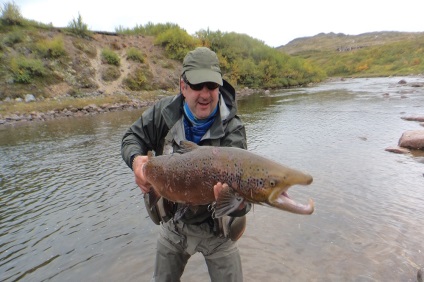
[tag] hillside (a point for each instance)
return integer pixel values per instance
(341, 42)
(365, 55)
(83, 71)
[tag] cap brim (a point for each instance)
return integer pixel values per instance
(203, 75)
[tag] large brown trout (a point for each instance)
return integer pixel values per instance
(188, 177)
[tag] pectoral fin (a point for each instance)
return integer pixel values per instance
(227, 202)
(150, 201)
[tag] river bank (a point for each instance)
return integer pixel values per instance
(75, 112)
(130, 102)
(77, 107)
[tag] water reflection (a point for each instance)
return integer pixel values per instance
(70, 210)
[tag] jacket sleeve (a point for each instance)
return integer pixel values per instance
(144, 134)
(235, 134)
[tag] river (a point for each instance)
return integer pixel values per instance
(70, 210)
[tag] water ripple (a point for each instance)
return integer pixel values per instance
(68, 200)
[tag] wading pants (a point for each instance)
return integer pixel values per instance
(178, 241)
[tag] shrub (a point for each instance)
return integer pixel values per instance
(177, 43)
(135, 55)
(78, 27)
(138, 80)
(11, 14)
(110, 57)
(53, 48)
(13, 38)
(111, 73)
(150, 29)
(24, 69)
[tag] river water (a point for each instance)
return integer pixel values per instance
(70, 210)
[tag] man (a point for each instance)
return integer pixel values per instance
(205, 113)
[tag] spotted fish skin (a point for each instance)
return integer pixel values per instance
(188, 177)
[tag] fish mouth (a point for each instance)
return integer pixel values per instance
(281, 200)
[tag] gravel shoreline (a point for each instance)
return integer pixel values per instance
(90, 110)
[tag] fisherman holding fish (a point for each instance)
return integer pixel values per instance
(205, 113)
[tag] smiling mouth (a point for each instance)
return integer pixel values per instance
(203, 103)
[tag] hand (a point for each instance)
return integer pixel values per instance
(217, 188)
(140, 179)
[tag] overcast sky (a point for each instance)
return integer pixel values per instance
(272, 21)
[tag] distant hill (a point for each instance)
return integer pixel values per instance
(342, 42)
(385, 53)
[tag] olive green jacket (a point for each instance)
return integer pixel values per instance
(162, 125)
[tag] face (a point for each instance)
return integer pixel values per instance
(201, 102)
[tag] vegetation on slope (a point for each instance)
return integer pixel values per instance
(35, 56)
(364, 55)
(76, 63)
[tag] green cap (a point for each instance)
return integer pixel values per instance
(202, 65)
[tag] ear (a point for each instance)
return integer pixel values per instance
(183, 87)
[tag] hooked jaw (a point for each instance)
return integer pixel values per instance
(282, 201)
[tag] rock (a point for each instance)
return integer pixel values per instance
(418, 84)
(414, 118)
(412, 139)
(29, 98)
(14, 117)
(402, 81)
(420, 275)
(397, 150)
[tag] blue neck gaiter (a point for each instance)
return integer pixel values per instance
(195, 128)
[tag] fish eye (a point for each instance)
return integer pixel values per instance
(272, 182)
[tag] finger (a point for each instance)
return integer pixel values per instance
(145, 189)
(217, 189)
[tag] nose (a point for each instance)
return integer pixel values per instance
(205, 91)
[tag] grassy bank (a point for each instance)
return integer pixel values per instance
(8, 108)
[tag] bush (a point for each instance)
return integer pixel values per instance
(13, 38)
(53, 48)
(138, 80)
(11, 14)
(111, 73)
(135, 55)
(24, 69)
(150, 29)
(177, 43)
(110, 57)
(78, 27)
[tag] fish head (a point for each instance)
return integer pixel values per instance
(276, 184)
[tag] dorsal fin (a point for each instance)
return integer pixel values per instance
(187, 146)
